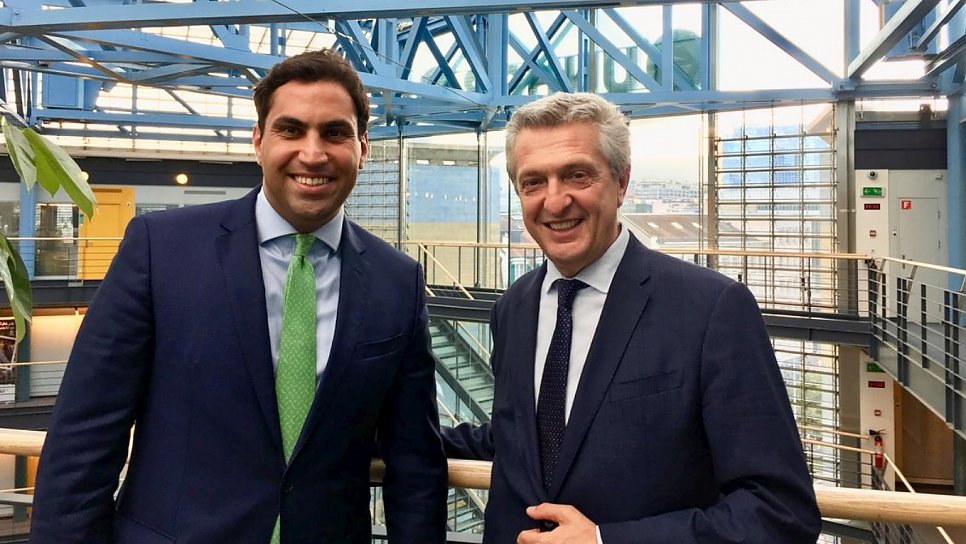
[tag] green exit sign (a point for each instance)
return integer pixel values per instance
(872, 191)
(874, 367)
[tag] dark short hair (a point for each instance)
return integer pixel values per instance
(309, 67)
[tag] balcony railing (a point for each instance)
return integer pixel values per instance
(67, 258)
(873, 505)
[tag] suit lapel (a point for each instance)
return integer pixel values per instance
(626, 298)
(353, 301)
(238, 258)
(522, 335)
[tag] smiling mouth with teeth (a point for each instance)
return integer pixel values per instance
(563, 225)
(311, 181)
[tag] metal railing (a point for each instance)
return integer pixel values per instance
(67, 258)
(793, 281)
(917, 313)
(880, 506)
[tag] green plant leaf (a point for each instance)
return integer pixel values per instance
(56, 170)
(20, 151)
(17, 283)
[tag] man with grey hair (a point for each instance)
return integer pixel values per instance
(637, 396)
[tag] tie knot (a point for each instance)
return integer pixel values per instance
(302, 244)
(566, 290)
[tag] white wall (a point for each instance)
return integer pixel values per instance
(51, 338)
(874, 401)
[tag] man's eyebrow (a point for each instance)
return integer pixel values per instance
(338, 123)
(288, 120)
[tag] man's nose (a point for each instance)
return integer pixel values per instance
(558, 197)
(314, 150)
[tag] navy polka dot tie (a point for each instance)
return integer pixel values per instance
(551, 403)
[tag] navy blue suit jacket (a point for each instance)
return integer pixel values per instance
(680, 431)
(176, 343)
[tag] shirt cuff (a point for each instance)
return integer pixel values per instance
(599, 540)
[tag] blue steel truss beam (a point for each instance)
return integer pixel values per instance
(742, 12)
(681, 80)
(562, 82)
(615, 53)
(471, 85)
(37, 20)
(908, 16)
(930, 34)
(530, 56)
(472, 50)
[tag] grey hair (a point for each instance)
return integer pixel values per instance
(614, 136)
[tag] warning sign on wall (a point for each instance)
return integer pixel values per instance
(905, 204)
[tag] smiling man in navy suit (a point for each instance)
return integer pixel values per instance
(637, 396)
(183, 341)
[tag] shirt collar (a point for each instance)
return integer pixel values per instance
(599, 273)
(271, 225)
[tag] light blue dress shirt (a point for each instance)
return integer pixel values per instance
(275, 248)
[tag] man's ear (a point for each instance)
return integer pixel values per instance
(257, 143)
(364, 148)
(623, 182)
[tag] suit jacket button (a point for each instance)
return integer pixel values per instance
(288, 488)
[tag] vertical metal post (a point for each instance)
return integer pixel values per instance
(402, 197)
(22, 394)
(902, 329)
(923, 330)
(667, 49)
(847, 271)
(708, 81)
(482, 209)
(28, 229)
(956, 186)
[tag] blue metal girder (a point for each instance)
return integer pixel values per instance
(171, 72)
(895, 28)
(742, 12)
(930, 34)
(142, 119)
(681, 80)
(472, 50)
(37, 20)
(626, 62)
(562, 82)
(471, 86)
(530, 56)
(947, 58)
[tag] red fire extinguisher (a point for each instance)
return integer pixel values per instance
(878, 457)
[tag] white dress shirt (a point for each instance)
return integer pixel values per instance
(588, 305)
(275, 249)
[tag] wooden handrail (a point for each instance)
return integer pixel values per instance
(834, 502)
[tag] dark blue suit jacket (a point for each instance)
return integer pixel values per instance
(176, 343)
(680, 431)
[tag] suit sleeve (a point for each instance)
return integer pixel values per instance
(414, 486)
(87, 440)
(766, 492)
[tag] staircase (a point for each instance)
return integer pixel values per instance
(463, 368)
(466, 385)
(464, 513)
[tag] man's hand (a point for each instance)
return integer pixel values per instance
(572, 526)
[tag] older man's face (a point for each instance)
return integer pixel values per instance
(568, 193)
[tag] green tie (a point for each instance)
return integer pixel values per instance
(295, 377)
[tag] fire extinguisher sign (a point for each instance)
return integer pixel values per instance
(905, 204)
